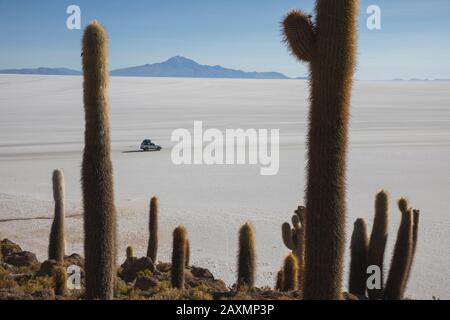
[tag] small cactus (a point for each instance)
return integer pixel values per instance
(60, 280)
(280, 280)
(294, 239)
(130, 252)
(246, 257)
(358, 263)
(152, 250)
(402, 257)
(180, 238)
(56, 247)
(290, 270)
(378, 239)
(416, 218)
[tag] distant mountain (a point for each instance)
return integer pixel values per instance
(182, 67)
(43, 71)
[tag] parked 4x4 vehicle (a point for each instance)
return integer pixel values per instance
(148, 145)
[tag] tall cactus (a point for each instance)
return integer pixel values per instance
(401, 259)
(180, 238)
(152, 250)
(329, 46)
(378, 239)
(97, 172)
(56, 246)
(358, 262)
(246, 257)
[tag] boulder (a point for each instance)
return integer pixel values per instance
(47, 268)
(8, 248)
(21, 259)
(145, 283)
(132, 266)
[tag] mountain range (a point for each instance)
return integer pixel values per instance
(177, 67)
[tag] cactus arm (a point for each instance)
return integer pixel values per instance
(296, 222)
(299, 34)
(288, 238)
(396, 282)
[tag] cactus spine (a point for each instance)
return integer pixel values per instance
(97, 172)
(246, 257)
(178, 257)
(378, 239)
(358, 263)
(60, 279)
(56, 247)
(152, 250)
(290, 276)
(330, 48)
(398, 273)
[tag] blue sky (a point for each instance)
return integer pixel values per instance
(414, 41)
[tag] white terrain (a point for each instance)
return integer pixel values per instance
(399, 141)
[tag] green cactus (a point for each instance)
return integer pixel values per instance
(60, 280)
(290, 273)
(246, 257)
(294, 239)
(97, 172)
(152, 250)
(329, 45)
(56, 247)
(130, 252)
(280, 280)
(180, 238)
(402, 257)
(378, 239)
(358, 262)
(416, 217)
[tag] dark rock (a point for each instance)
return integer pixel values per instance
(145, 283)
(201, 273)
(132, 266)
(8, 248)
(47, 268)
(74, 259)
(21, 259)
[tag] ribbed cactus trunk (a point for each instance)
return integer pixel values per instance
(330, 47)
(152, 249)
(246, 257)
(358, 262)
(97, 172)
(378, 239)
(56, 246)
(180, 238)
(402, 257)
(290, 276)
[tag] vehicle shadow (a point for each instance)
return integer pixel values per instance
(134, 151)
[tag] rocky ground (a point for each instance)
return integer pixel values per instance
(23, 277)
